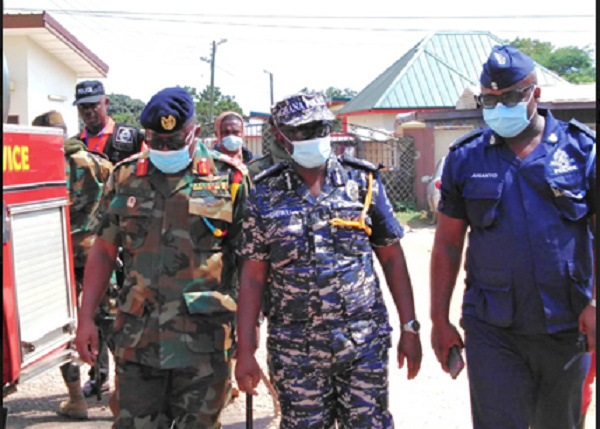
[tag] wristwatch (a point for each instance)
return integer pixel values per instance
(412, 326)
(592, 302)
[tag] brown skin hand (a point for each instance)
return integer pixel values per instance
(398, 279)
(525, 142)
(445, 263)
(98, 269)
(94, 115)
(252, 282)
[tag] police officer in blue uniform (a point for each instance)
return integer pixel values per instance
(314, 223)
(525, 187)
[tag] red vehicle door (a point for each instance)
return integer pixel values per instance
(39, 307)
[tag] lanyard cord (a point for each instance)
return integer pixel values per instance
(360, 223)
(99, 139)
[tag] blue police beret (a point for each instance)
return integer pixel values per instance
(168, 111)
(505, 67)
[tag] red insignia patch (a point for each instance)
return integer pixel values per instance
(203, 167)
(142, 167)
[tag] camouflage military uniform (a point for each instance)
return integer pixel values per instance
(173, 331)
(328, 326)
(86, 174)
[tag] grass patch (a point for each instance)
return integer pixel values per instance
(414, 219)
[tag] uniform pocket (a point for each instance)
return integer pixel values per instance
(492, 297)
(481, 200)
(571, 204)
(134, 210)
(286, 236)
(350, 241)
(202, 336)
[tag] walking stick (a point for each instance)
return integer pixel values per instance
(249, 424)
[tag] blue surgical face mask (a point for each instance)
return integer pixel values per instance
(508, 121)
(232, 143)
(312, 153)
(173, 161)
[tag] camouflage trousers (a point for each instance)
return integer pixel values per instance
(321, 381)
(153, 398)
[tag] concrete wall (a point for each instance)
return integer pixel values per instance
(15, 50)
(48, 76)
(36, 74)
(444, 137)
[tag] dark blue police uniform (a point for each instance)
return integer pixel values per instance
(328, 325)
(529, 270)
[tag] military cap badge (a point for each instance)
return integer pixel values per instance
(168, 122)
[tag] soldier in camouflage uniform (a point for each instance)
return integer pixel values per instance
(315, 222)
(176, 210)
(86, 173)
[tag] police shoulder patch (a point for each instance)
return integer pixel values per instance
(360, 163)
(574, 123)
(271, 171)
(466, 138)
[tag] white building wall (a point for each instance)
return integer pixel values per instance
(48, 76)
(15, 48)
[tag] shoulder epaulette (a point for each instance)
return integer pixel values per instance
(360, 163)
(466, 138)
(131, 158)
(583, 128)
(275, 168)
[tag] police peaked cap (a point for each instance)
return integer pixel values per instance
(300, 109)
(168, 111)
(505, 66)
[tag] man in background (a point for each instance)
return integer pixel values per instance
(86, 173)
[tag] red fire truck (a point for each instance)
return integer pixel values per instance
(39, 307)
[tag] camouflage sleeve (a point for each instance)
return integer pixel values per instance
(104, 223)
(253, 243)
(386, 228)
(85, 190)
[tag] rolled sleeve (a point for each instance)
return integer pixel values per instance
(253, 244)
(452, 202)
(386, 229)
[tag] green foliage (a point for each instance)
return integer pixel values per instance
(572, 63)
(124, 109)
(404, 206)
(222, 103)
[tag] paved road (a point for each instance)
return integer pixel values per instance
(433, 400)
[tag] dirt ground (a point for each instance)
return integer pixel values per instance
(431, 401)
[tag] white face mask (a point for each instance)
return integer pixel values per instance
(312, 153)
(232, 143)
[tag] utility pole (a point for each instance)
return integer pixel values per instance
(212, 77)
(271, 79)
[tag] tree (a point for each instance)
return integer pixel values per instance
(572, 63)
(222, 103)
(124, 109)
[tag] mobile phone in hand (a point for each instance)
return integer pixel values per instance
(455, 362)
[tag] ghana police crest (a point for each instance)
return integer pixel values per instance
(124, 135)
(352, 190)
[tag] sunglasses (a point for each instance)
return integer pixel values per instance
(508, 99)
(306, 132)
(172, 142)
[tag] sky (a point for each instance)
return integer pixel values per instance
(315, 44)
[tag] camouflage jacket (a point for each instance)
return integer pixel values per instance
(178, 300)
(86, 173)
(323, 274)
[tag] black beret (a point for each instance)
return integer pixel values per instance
(168, 111)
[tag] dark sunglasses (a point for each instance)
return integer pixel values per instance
(170, 143)
(308, 131)
(508, 99)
